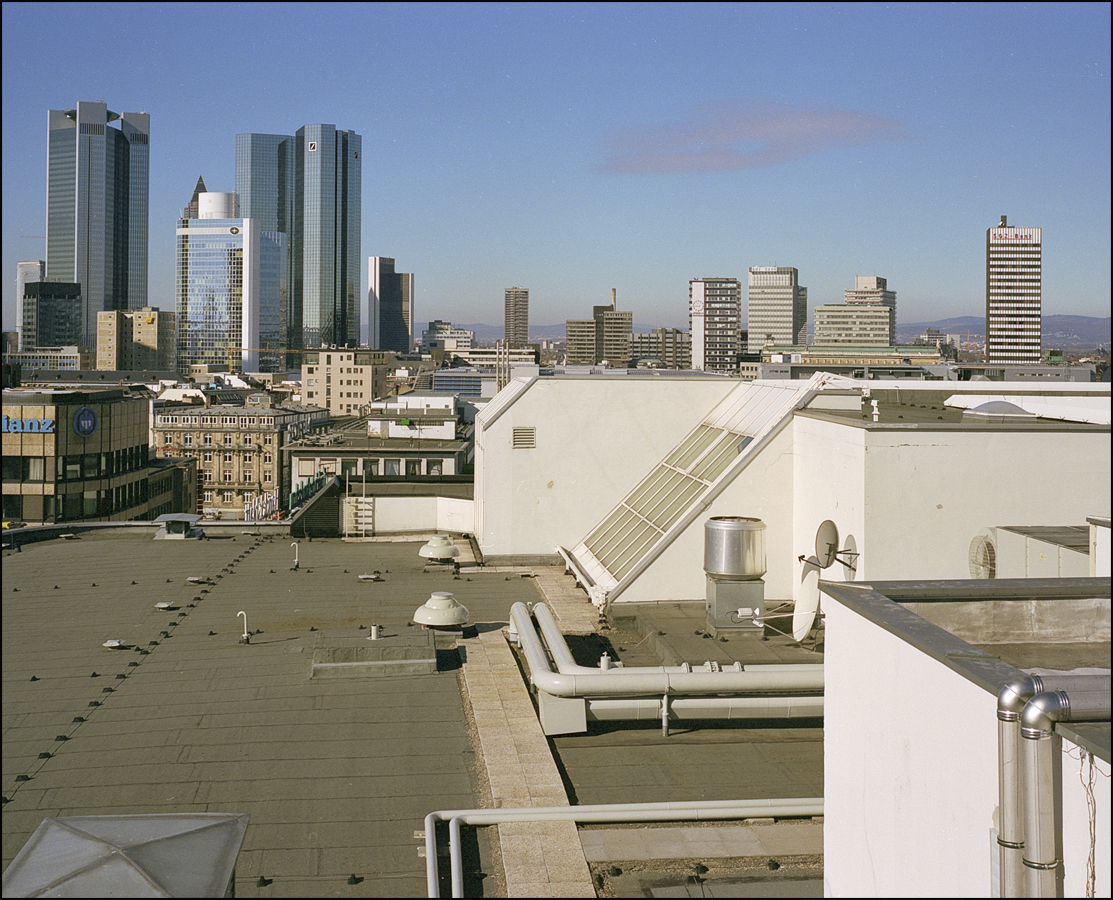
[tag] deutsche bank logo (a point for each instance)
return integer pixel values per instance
(85, 422)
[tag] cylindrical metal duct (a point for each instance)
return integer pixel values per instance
(734, 547)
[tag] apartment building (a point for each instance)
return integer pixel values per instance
(238, 449)
(343, 380)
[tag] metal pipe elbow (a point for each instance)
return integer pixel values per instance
(1014, 694)
(1042, 712)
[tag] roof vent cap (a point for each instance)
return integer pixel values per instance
(441, 610)
(439, 549)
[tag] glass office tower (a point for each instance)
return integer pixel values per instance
(97, 207)
(230, 289)
(308, 187)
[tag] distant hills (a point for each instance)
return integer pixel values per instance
(1059, 332)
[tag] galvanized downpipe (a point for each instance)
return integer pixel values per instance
(1037, 723)
(1011, 699)
(634, 682)
(666, 811)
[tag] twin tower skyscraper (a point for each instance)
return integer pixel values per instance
(308, 186)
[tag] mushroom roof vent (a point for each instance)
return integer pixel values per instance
(441, 610)
(440, 546)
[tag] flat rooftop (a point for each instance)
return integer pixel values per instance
(926, 406)
(338, 774)
(991, 630)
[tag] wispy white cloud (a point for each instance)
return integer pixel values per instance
(731, 136)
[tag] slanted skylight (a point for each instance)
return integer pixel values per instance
(663, 503)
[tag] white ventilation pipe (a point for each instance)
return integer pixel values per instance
(612, 709)
(632, 682)
(665, 811)
(1037, 722)
(1011, 699)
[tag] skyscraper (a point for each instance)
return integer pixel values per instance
(390, 298)
(230, 283)
(777, 310)
(96, 207)
(308, 186)
(516, 320)
(1013, 294)
(715, 323)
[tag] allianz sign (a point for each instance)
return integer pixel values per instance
(27, 426)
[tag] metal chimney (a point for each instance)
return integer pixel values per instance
(734, 561)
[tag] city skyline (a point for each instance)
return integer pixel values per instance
(638, 148)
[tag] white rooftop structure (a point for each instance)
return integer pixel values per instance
(909, 472)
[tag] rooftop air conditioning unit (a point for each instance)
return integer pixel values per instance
(983, 554)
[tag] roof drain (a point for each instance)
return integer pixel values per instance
(666, 811)
(1011, 699)
(1037, 724)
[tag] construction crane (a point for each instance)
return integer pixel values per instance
(233, 351)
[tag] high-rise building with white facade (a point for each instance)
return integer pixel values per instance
(97, 189)
(390, 306)
(853, 325)
(308, 186)
(715, 323)
(1013, 294)
(441, 335)
(230, 288)
(516, 321)
(777, 307)
(868, 318)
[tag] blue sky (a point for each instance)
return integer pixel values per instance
(573, 148)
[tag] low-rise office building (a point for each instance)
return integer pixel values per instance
(415, 436)
(69, 358)
(76, 455)
(670, 345)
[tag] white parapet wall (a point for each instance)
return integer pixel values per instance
(405, 515)
(911, 772)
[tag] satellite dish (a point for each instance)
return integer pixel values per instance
(826, 544)
(807, 607)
